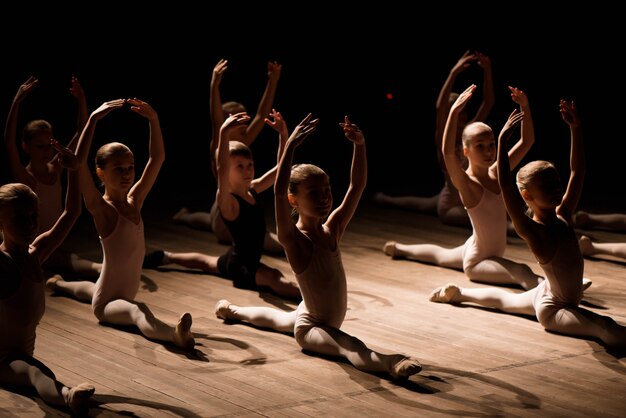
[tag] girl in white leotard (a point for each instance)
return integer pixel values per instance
(117, 216)
(481, 257)
(551, 237)
(43, 172)
(312, 247)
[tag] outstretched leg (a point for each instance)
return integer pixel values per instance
(608, 221)
(198, 220)
(83, 291)
(498, 270)
(123, 312)
(259, 316)
(416, 203)
(491, 297)
(334, 342)
(588, 247)
(427, 253)
(26, 371)
(582, 322)
(275, 280)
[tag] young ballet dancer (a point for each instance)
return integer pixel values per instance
(243, 214)
(117, 217)
(22, 294)
(219, 112)
(481, 256)
(312, 247)
(447, 203)
(549, 233)
(43, 172)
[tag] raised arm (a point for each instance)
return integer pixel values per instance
(443, 100)
(285, 228)
(521, 148)
(156, 155)
(81, 119)
(277, 122)
(454, 165)
(215, 108)
(514, 203)
(90, 192)
(18, 171)
(577, 161)
(48, 241)
(228, 205)
(489, 97)
(340, 217)
(265, 105)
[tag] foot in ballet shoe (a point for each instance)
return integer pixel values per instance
(78, 398)
(584, 242)
(390, 248)
(179, 215)
(445, 294)
(586, 283)
(51, 283)
(153, 259)
(404, 368)
(183, 337)
(222, 310)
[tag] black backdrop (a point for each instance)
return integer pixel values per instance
(335, 62)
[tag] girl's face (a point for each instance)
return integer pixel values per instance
(481, 150)
(118, 172)
(314, 197)
(39, 148)
(241, 171)
(20, 222)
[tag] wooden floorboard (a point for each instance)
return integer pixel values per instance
(477, 362)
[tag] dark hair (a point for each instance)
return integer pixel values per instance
(33, 128)
(236, 148)
(109, 150)
(16, 193)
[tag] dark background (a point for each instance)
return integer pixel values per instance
(335, 62)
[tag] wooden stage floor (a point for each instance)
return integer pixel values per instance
(477, 362)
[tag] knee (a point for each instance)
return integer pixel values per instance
(300, 333)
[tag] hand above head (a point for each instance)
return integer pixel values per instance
(77, 90)
(569, 113)
(352, 132)
(514, 119)
(232, 121)
(278, 124)
(463, 98)
(66, 157)
(304, 129)
(464, 62)
(142, 108)
(26, 88)
(273, 70)
(483, 60)
(219, 69)
(518, 96)
(106, 107)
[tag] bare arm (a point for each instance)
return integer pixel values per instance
(48, 241)
(81, 119)
(228, 205)
(215, 108)
(443, 99)
(454, 166)
(90, 192)
(340, 217)
(521, 148)
(285, 228)
(265, 105)
(514, 203)
(156, 153)
(489, 97)
(577, 161)
(266, 181)
(18, 171)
